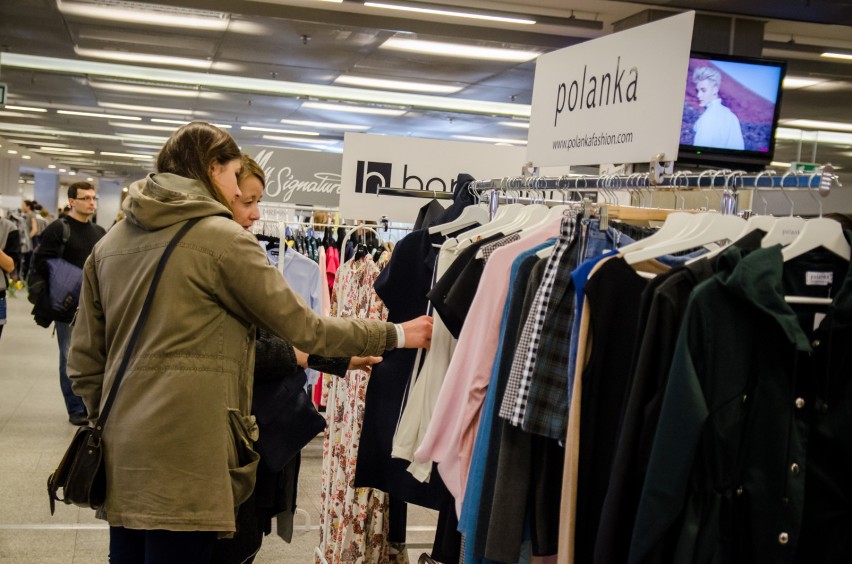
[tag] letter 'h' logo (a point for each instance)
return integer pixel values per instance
(370, 176)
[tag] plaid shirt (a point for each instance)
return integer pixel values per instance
(517, 390)
(547, 405)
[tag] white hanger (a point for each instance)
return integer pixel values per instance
(818, 232)
(470, 215)
(785, 229)
(675, 225)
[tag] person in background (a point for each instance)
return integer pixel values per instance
(178, 441)
(718, 126)
(275, 360)
(83, 236)
(9, 250)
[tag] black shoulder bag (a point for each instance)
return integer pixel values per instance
(81, 474)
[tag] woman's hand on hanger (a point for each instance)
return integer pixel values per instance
(418, 332)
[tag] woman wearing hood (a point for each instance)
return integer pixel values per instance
(172, 470)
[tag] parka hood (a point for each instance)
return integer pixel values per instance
(161, 200)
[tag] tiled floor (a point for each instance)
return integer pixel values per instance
(34, 433)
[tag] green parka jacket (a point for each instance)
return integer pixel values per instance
(171, 438)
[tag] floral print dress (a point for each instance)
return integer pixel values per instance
(353, 521)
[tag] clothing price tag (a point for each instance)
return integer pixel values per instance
(818, 317)
(819, 278)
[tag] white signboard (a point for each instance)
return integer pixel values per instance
(373, 162)
(616, 99)
(299, 177)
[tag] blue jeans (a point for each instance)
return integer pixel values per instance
(136, 546)
(73, 404)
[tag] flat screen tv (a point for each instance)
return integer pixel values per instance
(730, 111)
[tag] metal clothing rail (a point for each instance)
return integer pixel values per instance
(729, 181)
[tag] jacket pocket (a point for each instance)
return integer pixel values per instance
(242, 458)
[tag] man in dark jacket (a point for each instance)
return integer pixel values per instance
(81, 240)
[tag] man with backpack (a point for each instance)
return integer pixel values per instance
(55, 275)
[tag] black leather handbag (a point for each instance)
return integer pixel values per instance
(81, 475)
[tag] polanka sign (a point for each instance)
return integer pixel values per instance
(615, 99)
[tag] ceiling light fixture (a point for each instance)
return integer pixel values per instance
(459, 50)
(51, 166)
(184, 122)
(20, 130)
(326, 125)
(24, 115)
(63, 150)
(144, 58)
(145, 126)
(146, 14)
(146, 109)
(425, 87)
(490, 139)
(140, 137)
(12, 152)
(818, 124)
(24, 108)
(827, 137)
(93, 114)
(37, 143)
(842, 56)
(425, 9)
(142, 145)
(127, 155)
(26, 157)
(299, 140)
(139, 89)
(273, 130)
(518, 124)
(263, 86)
(794, 82)
(326, 107)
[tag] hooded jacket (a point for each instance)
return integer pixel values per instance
(170, 444)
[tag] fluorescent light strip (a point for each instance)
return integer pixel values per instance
(61, 150)
(26, 157)
(37, 143)
(490, 139)
(17, 129)
(142, 145)
(146, 126)
(326, 107)
(193, 19)
(12, 152)
(299, 140)
(140, 137)
(146, 109)
(139, 89)
(24, 108)
(818, 124)
(388, 84)
(451, 13)
(35, 136)
(263, 86)
(183, 122)
(458, 50)
(518, 124)
(272, 130)
(793, 82)
(827, 137)
(93, 114)
(125, 57)
(325, 125)
(842, 56)
(24, 115)
(127, 155)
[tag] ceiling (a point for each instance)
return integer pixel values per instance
(265, 61)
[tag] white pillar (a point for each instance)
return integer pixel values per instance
(46, 191)
(109, 201)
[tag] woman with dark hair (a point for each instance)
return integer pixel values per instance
(181, 415)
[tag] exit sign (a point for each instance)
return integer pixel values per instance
(3, 90)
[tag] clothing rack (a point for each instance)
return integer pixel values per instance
(431, 194)
(729, 181)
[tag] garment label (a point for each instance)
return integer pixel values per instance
(818, 317)
(819, 278)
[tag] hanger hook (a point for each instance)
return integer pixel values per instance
(811, 192)
(770, 173)
(784, 192)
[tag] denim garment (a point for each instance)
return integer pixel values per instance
(73, 404)
(596, 242)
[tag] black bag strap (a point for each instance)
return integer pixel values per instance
(140, 323)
